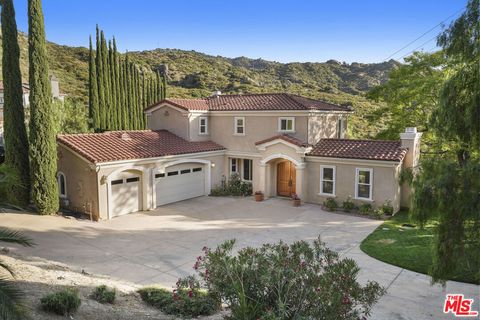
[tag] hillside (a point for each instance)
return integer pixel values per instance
(194, 74)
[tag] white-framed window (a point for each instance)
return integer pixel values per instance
(327, 180)
(239, 123)
(203, 125)
(363, 183)
(247, 169)
(286, 124)
(341, 128)
(62, 185)
(233, 165)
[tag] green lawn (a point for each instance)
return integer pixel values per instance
(409, 248)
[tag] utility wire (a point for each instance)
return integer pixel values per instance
(423, 34)
(409, 53)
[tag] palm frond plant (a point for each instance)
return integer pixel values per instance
(11, 305)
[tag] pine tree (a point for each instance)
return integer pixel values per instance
(42, 129)
(101, 84)
(93, 107)
(16, 140)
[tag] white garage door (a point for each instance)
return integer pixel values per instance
(180, 182)
(126, 193)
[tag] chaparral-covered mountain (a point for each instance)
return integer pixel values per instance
(194, 74)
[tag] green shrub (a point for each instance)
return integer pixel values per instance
(365, 208)
(103, 294)
(348, 205)
(235, 187)
(279, 280)
(330, 204)
(387, 208)
(63, 303)
(187, 300)
(377, 213)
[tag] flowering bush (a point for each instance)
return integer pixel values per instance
(348, 204)
(235, 187)
(187, 299)
(280, 281)
(366, 208)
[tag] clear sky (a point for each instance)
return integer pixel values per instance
(285, 31)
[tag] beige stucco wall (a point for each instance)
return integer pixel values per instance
(257, 128)
(80, 180)
(385, 182)
(324, 126)
(176, 121)
(194, 131)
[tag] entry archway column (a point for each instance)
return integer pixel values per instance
(300, 183)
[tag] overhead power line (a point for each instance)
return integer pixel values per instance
(423, 34)
(420, 46)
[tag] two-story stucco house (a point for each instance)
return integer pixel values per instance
(281, 143)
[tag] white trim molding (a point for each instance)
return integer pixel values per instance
(280, 119)
(357, 162)
(64, 195)
(299, 150)
(200, 126)
(236, 126)
(357, 182)
(334, 181)
(282, 156)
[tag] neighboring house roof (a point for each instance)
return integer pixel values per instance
(252, 102)
(25, 87)
(129, 145)
(284, 137)
(359, 149)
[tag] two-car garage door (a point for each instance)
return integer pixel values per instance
(180, 182)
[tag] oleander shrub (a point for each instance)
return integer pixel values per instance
(366, 209)
(188, 299)
(330, 204)
(63, 303)
(280, 281)
(348, 205)
(103, 294)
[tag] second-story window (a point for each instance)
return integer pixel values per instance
(286, 124)
(203, 125)
(341, 129)
(239, 126)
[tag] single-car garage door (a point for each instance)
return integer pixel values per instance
(180, 182)
(126, 193)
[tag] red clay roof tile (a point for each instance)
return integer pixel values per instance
(253, 102)
(129, 145)
(284, 137)
(359, 149)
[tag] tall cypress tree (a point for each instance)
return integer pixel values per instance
(111, 82)
(105, 79)
(93, 107)
(101, 84)
(139, 102)
(164, 86)
(42, 130)
(124, 95)
(117, 91)
(16, 140)
(134, 97)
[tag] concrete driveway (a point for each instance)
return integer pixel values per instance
(160, 246)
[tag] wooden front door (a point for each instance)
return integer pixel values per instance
(285, 179)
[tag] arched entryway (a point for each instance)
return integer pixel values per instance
(286, 178)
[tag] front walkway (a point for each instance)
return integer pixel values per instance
(161, 245)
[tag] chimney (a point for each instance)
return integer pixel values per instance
(54, 87)
(216, 94)
(411, 139)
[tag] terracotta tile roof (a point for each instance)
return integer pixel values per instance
(128, 145)
(284, 137)
(359, 149)
(253, 102)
